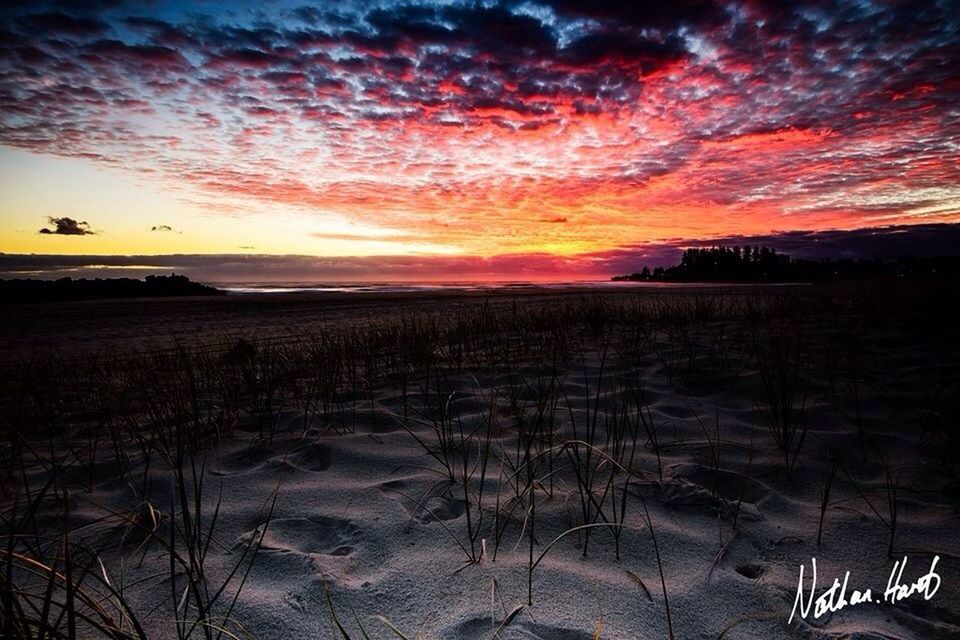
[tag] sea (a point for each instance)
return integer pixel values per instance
(253, 288)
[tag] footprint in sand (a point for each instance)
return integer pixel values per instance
(244, 460)
(732, 485)
(296, 602)
(440, 508)
(312, 457)
(422, 508)
(316, 535)
(693, 485)
(751, 570)
(480, 628)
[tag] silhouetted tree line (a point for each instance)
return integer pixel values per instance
(763, 264)
(65, 289)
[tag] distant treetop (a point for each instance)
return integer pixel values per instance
(763, 264)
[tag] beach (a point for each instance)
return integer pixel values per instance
(567, 464)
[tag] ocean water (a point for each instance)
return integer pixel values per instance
(369, 287)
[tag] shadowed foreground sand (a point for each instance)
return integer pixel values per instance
(397, 464)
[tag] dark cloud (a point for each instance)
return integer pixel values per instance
(657, 15)
(310, 15)
(624, 48)
(244, 57)
(161, 227)
(67, 227)
(138, 56)
(62, 25)
(881, 243)
(162, 32)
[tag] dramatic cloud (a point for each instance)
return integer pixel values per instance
(472, 125)
(67, 227)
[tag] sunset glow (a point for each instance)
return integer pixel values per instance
(473, 130)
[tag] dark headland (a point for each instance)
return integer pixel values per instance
(67, 289)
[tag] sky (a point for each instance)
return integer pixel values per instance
(545, 138)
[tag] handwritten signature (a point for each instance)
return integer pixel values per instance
(835, 598)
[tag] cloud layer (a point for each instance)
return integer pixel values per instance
(543, 126)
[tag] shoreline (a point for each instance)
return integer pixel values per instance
(93, 325)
